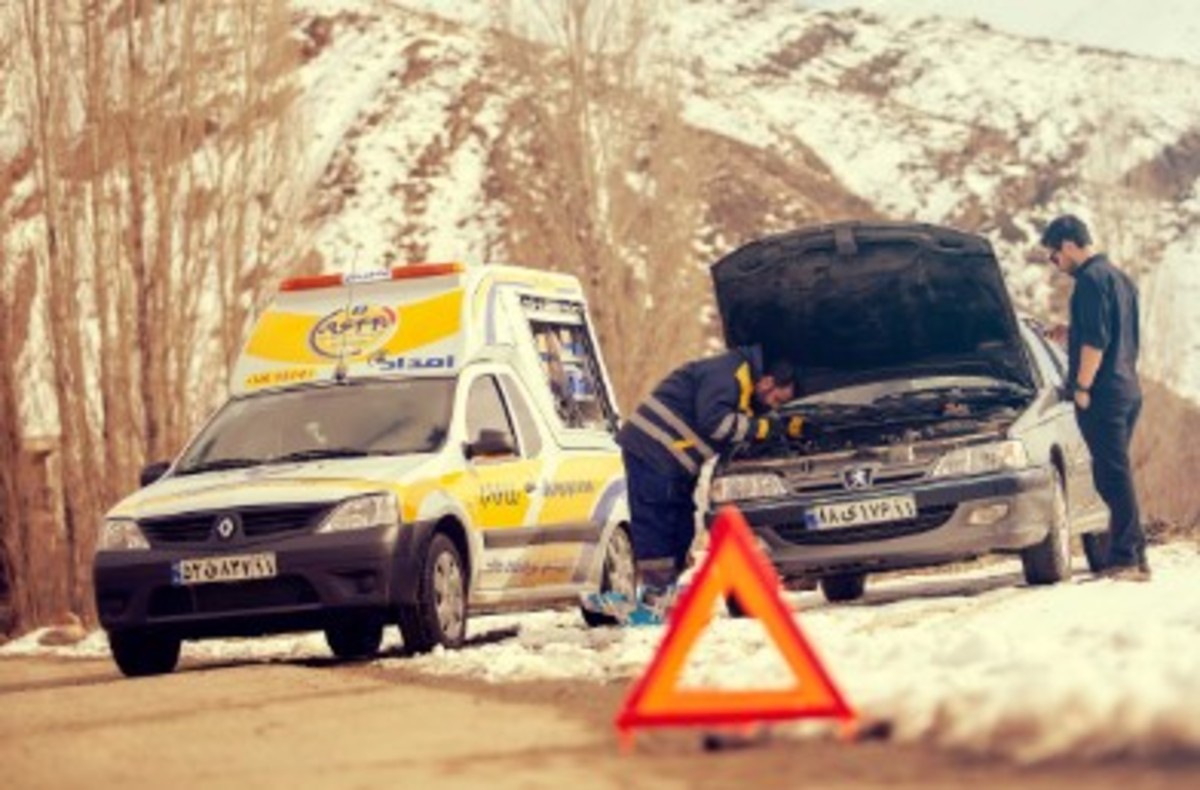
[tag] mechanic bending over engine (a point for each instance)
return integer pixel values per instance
(699, 410)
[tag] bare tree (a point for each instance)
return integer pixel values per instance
(160, 135)
(621, 189)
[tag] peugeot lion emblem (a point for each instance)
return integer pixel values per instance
(858, 478)
(226, 526)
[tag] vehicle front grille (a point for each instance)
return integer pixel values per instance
(827, 478)
(231, 597)
(255, 523)
(927, 518)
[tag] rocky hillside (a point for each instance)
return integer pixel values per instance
(425, 151)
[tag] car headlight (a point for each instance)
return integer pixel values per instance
(120, 534)
(746, 486)
(982, 458)
(364, 512)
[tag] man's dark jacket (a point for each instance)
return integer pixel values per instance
(697, 411)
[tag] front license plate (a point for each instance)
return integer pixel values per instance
(863, 511)
(232, 568)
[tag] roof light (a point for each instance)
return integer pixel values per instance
(412, 271)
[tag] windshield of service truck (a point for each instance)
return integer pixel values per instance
(351, 420)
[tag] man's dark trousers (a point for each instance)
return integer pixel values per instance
(662, 519)
(1108, 429)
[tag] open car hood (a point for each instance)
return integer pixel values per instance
(853, 302)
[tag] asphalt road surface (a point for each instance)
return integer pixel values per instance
(78, 723)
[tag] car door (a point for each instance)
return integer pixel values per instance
(502, 489)
(1083, 500)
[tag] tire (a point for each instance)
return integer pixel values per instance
(1049, 562)
(144, 653)
(619, 575)
(844, 587)
(354, 637)
(1095, 548)
(439, 617)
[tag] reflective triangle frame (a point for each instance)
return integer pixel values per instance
(734, 565)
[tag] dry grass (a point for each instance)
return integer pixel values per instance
(1166, 460)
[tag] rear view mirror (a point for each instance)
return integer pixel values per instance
(153, 471)
(491, 442)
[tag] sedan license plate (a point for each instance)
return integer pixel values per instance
(230, 568)
(860, 512)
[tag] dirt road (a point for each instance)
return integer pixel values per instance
(77, 723)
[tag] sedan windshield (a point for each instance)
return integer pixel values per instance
(337, 421)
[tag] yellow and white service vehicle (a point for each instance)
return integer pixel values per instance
(410, 446)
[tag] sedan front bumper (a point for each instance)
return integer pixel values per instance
(956, 519)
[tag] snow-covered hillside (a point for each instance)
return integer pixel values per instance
(1152, 28)
(940, 120)
(968, 660)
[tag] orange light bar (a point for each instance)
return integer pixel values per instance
(310, 282)
(415, 270)
(412, 271)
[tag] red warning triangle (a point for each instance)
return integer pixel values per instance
(734, 565)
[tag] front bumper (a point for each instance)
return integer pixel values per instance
(319, 578)
(942, 532)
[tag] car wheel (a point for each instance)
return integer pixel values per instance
(844, 587)
(1049, 562)
(1095, 548)
(356, 637)
(144, 653)
(619, 575)
(439, 617)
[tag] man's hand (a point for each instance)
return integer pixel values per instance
(1083, 399)
(774, 426)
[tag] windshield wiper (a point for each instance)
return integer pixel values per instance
(218, 464)
(316, 453)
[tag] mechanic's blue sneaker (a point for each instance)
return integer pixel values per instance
(612, 604)
(643, 614)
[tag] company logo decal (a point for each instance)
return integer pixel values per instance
(858, 478)
(352, 332)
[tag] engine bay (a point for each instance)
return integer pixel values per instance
(895, 419)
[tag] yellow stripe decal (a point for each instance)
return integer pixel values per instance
(745, 386)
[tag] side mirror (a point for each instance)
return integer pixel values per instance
(153, 471)
(491, 442)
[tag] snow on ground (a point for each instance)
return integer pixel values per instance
(966, 659)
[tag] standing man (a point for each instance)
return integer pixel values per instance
(1102, 345)
(696, 412)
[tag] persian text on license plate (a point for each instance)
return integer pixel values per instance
(862, 511)
(231, 568)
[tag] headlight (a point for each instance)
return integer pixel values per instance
(752, 486)
(364, 512)
(982, 458)
(120, 534)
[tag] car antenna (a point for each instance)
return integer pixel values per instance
(340, 371)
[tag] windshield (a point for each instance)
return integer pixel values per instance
(340, 421)
(876, 391)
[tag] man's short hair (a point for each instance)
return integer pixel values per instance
(1066, 228)
(783, 372)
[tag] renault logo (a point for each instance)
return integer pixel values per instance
(226, 526)
(858, 478)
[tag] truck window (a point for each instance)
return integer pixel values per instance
(569, 363)
(531, 437)
(485, 409)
